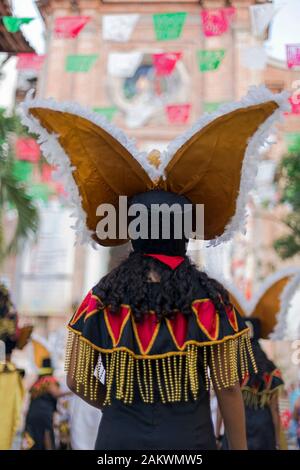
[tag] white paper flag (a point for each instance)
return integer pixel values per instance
(261, 15)
(254, 58)
(118, 27)
(123, 64)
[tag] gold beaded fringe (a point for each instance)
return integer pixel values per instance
(176, 376)
(256, 400)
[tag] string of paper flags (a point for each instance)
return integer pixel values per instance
(120, 28)
(123, 64)
(167, 26)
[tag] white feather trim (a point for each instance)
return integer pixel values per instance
(285, 301)
(269, 281)
(255, 95)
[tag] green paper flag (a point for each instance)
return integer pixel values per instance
(209, 59)
(12, 24)
(80, 62)
(22, 170)
(40, 191)
(293, 141)
(212, 106)
(108, 112)
(168, 25)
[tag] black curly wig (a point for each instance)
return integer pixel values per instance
(176, 289)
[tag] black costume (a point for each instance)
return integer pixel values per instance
(258, 390)
(39, 419)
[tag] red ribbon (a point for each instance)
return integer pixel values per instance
(172, 261)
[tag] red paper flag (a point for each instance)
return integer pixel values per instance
(46, 175)
(295, 104)
(285, 419)
(27, 149)
(293, 55)
(69, 26)
(165, 62)
(216, 21)
(178, 113)
(29, 61)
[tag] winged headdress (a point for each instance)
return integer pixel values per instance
(213, 163)
(266, 315)
(271, 302)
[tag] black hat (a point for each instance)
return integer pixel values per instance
(46, 368)
(159, 205)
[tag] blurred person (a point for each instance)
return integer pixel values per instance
(296, 416)
(285, 412)
(294, 394)
(11, 387)
(39, 425)
(156, 325)
(260, 391)
(62, 423)
(84, 424)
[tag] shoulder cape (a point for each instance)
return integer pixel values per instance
(148, 351)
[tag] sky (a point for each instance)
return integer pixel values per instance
(33, 31)
(284, 29)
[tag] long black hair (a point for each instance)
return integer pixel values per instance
(129, 283)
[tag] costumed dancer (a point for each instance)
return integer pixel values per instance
(11, 387)
(155, 324)
(261, 389)
(261, 398)
(39, 426)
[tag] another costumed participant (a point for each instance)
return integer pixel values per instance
(261, 388)
(156, 324)
(39, 426)
(11, 387)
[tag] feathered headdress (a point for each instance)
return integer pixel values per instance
(213, 163)
(270, 304)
